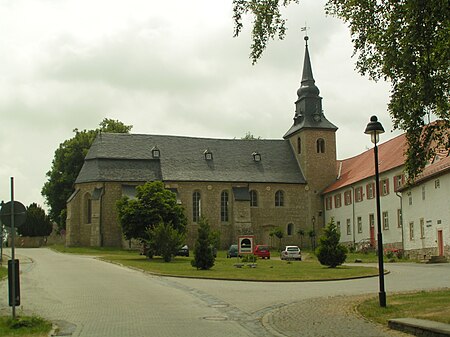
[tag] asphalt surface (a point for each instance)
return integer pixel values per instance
(87, 297)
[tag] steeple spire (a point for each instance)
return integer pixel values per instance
(308, 107)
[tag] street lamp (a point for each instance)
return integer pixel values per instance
(374, 129)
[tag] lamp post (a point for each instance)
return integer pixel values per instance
(374, 129)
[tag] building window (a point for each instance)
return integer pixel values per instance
(399, 181)
(337, 200)
(88, 203)
(338, 226)
(196, 206)
(279, 199)
(410, 200)
(349, 227)
(224, 206)
(399, 218)
(320, 145)
(384, 186)
(371, 220)
(290, 229)
(329, 203)
(253, 198)
(385, 220)
(423, 192)
(370, 189)
(359, 194)
(348, 197)
(422, 228)
(437, 184)
(359, 221)
(299, 145)
(411, 230)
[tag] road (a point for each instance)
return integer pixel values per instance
(88, 297)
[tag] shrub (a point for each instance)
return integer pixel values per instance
(330, 252)
(203, 251)
(164, 240)
(249, 258)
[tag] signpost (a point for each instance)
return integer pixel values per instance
(13, 214)
(246, 244)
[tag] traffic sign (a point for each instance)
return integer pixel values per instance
(20, 214)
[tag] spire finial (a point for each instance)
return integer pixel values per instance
(305, 29)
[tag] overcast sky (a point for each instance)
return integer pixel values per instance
(165, 67)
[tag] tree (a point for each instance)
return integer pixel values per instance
(277, 232)
(312, 237)
(250, 136)
(404, 42)
(164, 240)
(203, 250)
(153, 204)
(330, 252)
(67, 163)
(37, 222)
(301, 232)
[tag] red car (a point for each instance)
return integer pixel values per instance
(262, 251)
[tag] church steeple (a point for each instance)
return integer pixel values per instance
(308, 107)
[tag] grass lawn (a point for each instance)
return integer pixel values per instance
(431, 305)
(266, 270)
(3, 271)
(24, 326)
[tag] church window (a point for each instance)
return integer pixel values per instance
(88, 205)
(299, 145)
(320, 145)
(290, 229)
(196, 206)
(253, 198)
(279, 199)
(224, 206)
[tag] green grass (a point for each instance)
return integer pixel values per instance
(266, 270)
(430, 305)
(3, 271)
(24, 326)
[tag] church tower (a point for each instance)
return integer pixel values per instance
(313, 140)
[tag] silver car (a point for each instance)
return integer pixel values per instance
(291, 253)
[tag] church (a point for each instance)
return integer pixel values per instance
(242, 187)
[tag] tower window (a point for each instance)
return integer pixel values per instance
(253, 198)
(320, 145)
(299, 145)
(290, 229)
(224, 206)
(196, 206)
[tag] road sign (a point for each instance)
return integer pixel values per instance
(20, 214)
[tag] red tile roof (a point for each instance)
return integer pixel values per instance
(390, 155)
(437, 168)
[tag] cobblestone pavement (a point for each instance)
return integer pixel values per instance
(87, 297)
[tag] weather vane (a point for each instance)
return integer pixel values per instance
(305, 29)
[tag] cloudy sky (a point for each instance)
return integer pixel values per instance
(165, 67)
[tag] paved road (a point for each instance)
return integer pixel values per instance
(93, 298)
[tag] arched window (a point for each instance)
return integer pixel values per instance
(88, 208)
(279, 199)
(299, 145)
(253, 198)
(290, 229)
(224, 206)
(320, 145)
(196, 206)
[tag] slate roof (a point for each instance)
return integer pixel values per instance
(128, 158)
(352, 170)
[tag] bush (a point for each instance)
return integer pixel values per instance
(203, 251)
(37, 222)
(330, 252)
(164, 240)
(249, 258)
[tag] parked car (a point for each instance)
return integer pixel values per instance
(233, 251)
(183, 251)
(291, 253)
(262, 251)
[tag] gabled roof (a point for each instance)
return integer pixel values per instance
(128, 157)
(351, 170)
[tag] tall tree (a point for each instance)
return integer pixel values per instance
(330, 252)
(37, 222)
(203, 250)
(153, 204)
(404, 42)
(66, 165)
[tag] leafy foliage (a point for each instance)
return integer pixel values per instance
(203, 251)
(37, 222)
(404, 42)
(67, 163)
(164, 240)
(250, 136)
(278, 233)
(330, 252)
(153, 204)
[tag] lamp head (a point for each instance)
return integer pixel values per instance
(374, 129)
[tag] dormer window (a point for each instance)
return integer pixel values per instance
(155, 152)
(208, 155)
(256, 156)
